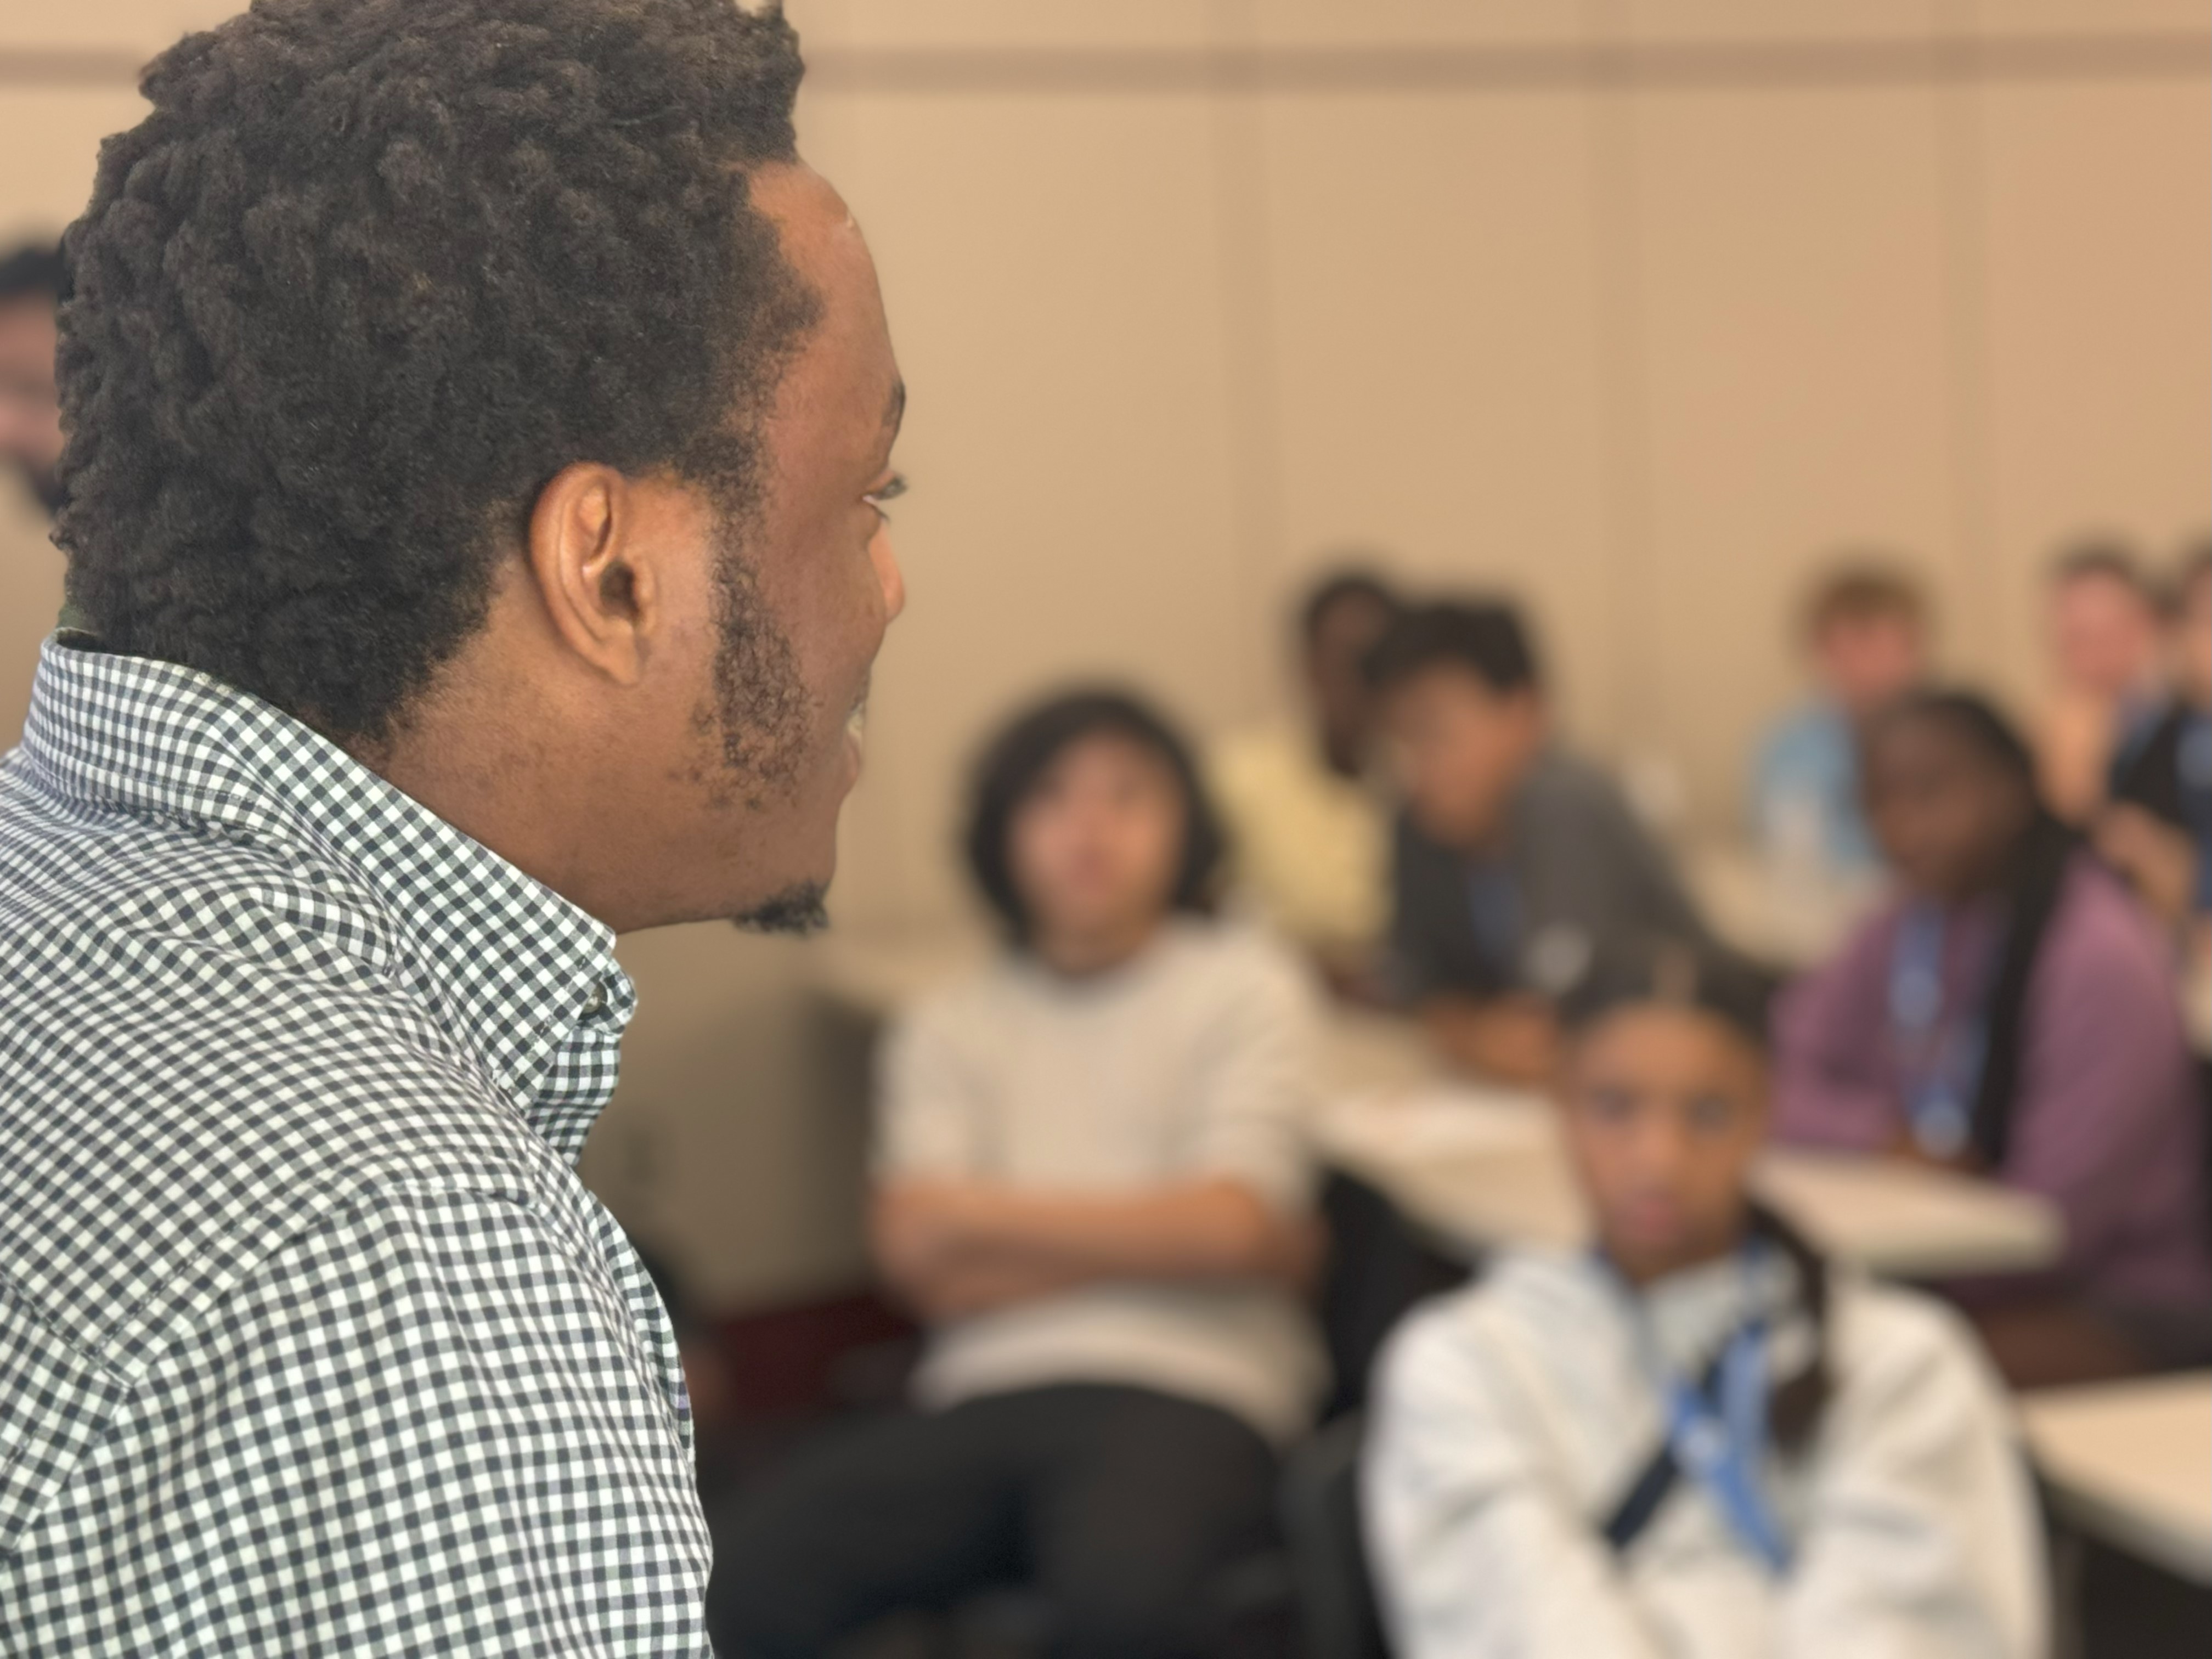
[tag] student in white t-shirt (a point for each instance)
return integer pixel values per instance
(1092, 1185)
(1695, 1440)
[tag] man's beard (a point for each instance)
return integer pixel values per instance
(761, 706)
(798, 910)
(762, 709)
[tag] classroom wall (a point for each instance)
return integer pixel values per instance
(1634, 307)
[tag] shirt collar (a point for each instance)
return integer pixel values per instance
(515, 972)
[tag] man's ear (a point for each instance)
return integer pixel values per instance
(588, 562)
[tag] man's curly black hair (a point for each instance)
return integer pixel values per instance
(367, 277)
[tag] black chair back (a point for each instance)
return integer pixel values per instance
(1329, 1555)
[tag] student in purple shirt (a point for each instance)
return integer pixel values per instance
(2014, 1012)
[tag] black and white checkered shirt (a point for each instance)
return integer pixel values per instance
(311, 1342)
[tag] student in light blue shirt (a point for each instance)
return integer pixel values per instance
(1866, 636)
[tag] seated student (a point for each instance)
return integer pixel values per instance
(2013, 1012)
(1698, 1440)
(2158, 831)
(1308, 832)
(1517, 864)
(2108, 687)
(1093, 1186)
(1866, 634)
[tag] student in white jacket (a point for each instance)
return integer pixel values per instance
(1695, 1440)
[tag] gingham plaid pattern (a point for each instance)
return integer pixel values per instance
(311, 1342)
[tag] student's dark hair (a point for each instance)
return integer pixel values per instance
(1736, 994)
(2106, 556)
(1863, 588)
(1486, 636)
(1016, 759)
(34, 271)
(1358, 583)
(2037, 876)
(367, 277)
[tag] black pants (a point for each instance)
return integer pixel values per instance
(1122, 1506)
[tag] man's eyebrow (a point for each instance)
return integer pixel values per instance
(894, 407)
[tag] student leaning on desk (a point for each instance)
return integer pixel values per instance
(1699, 1439)
(2014, 1013)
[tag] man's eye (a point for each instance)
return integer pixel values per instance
(885, 493)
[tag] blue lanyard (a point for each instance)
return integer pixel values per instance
(1938, 1061)
(1721, 1443)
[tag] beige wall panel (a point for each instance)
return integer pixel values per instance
(894, 24)
(1656, 20)
(1792, 309)
(2088, 16)
(49, 148)
(2097, 216)
(142, 25)
(1399, 23)
(1053, 274)
(1433, 268)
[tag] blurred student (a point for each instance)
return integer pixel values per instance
(30, 448)
(1092, 1185)
(2012, 1013)
(1866, 638)
(1518, 865)
(1309, 837)
(2106, 649)
(31, 288)
(1697, 1440)
(2158, 830)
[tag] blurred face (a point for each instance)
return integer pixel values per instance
(30, 412)
(1665, 1107)
(1096, 846)
(1946, 816)
(1864, 661)
(2194, 652)
(2104, 636)
(1458, 751)
(1345, 633)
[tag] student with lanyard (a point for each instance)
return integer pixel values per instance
(1695, 1440)
(2012, 1013)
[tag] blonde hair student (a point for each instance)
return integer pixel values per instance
(1695, 1438)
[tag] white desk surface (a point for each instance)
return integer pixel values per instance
(2132, 1462)
(1486, 1167)
(1793, 921)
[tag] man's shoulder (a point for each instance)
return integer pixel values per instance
(84, 895)
(211, 1044)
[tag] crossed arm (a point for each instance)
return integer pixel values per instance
(956, 1248)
